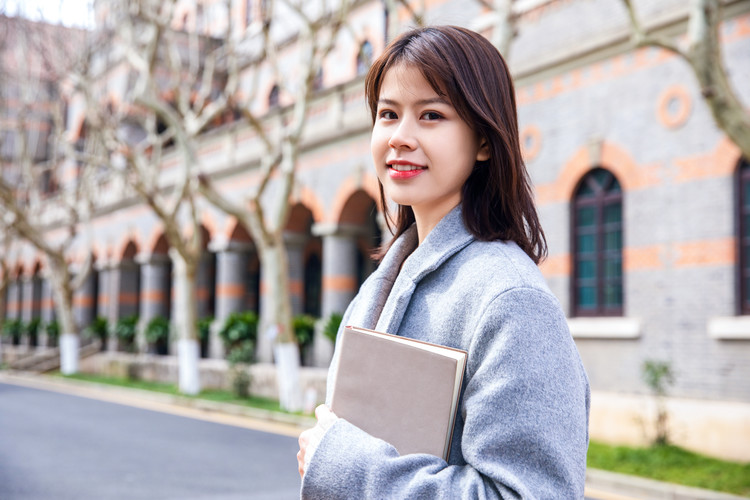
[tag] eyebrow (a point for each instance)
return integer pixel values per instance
(422, 102)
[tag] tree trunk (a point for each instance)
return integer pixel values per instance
(69, 342)
(276, 324)
(707, 62)
(3, 312)
(185, 319)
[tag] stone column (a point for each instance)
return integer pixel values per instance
(31, 291)
(124, 286)
(104, 299)
(13, 302)
(156, 291)
(84, 302)
(14, 299)
(295, 251)
(339, 278)
(47, 309)
(231, 290)
(205, 279)
(127, 283)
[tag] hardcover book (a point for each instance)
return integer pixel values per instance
(401, 390)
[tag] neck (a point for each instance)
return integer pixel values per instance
(426, 220)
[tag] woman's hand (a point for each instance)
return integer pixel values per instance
(309, 439)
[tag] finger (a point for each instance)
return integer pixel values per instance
(321, 411)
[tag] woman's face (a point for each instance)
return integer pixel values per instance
(422, 150)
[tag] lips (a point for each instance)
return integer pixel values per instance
(402, 169)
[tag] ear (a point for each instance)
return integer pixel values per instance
(483, 153)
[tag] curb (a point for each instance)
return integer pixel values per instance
(627, 486)
(127, 395)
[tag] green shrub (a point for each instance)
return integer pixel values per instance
(125, 331)
(331, 329)
(157, 330)
(240, 382)
(157, 334)
(203, 326)
(304, 329)
(53, 332)
(658, 376)
(13, 328)
(31, 328)
(241, 353)
(239, 334)
(98, 329)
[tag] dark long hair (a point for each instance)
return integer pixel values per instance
(497, 200)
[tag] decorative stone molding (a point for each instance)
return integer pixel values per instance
(334, 229)
(674, 106)
(605, 328)
(729, 328)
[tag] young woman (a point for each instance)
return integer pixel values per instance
(461, 271)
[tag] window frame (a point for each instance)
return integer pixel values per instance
(742, 207)
(603, 198)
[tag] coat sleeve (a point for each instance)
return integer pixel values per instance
(525, 412)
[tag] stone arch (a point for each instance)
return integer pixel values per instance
(367, 183)
(129, 251)
(36, 268)
(310, 200)
(300, 219)
(210, 228)
(18, 271)
(361, 211)
(237, 232)
(160, 246)
(604, 154)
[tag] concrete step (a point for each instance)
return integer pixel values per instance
(49, 359)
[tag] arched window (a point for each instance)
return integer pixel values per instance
(743, 225)
(597, 246)
(364, 57)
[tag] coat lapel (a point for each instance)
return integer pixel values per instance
(445, 240)
(374, 292)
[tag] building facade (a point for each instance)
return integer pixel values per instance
(642, 198)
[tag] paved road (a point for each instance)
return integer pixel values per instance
(58, 447)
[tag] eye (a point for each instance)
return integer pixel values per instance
(431, 115)
(387, 115)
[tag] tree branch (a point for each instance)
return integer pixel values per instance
(641, 38)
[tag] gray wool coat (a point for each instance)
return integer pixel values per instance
(522, 427)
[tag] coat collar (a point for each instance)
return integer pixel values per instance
(386, 297)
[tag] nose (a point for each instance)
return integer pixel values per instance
(403, 136)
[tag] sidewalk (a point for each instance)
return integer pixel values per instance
(600, 485)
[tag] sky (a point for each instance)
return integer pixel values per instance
(67, 12)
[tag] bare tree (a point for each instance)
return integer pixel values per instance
(267, 208)
(4, 281)
(34, 203)
(703, 54)
(503, 24)
(171, 101)
(392, 8)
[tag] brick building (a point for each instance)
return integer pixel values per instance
(641, 196)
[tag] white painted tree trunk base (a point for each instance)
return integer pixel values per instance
(287, 366)
(188, 353)
(69, 345)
